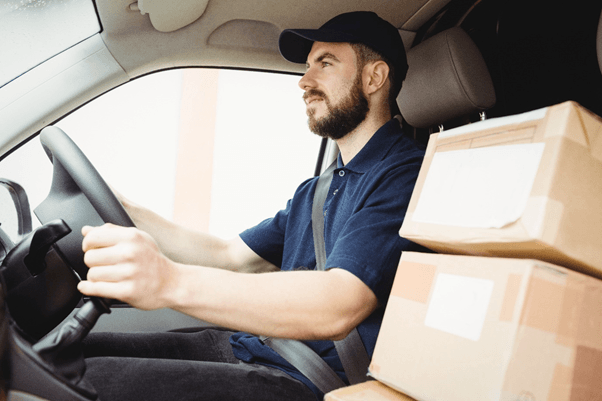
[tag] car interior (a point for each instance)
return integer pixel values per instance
(469, 60)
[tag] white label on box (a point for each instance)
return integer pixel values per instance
(459, 305)
(495, 122)
(482, 188)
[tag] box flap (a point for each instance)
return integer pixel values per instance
(592, 127)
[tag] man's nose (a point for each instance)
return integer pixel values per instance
(307, 81)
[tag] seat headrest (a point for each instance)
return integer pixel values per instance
(447, 78)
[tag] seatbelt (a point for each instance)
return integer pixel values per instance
(307, 362)
(351, 350)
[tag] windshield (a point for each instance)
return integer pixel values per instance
(32, 31)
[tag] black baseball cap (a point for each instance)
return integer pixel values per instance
(355, 27)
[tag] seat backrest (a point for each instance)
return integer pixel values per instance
(447, 79)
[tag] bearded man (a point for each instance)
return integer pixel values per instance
(355, 65)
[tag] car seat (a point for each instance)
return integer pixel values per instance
(447, 79)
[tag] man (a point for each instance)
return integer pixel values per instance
(355, 65)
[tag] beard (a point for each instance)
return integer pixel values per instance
(342, 118)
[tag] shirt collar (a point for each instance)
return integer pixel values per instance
(376, 149)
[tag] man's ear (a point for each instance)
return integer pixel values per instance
(375, 76)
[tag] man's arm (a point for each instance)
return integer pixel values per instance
(187, 246)
(126, 264)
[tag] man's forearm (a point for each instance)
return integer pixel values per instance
(192, 247)
(175, 241)
(305, 305)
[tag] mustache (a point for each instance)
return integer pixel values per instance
(313, 92)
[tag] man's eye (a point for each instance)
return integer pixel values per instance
(326, 64)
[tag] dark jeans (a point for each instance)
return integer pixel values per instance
(182, 366)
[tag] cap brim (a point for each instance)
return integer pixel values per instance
(295, 44)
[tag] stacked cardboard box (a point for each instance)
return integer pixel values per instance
(469, 328)
(518, 317)
(525, 186)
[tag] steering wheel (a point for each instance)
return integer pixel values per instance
(79, 196)
(43, 286)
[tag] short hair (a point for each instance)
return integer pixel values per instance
(365, 55)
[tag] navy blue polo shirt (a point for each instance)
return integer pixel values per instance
(364, 209)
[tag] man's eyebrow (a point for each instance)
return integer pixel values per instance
(323, 56)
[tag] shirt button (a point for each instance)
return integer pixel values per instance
(335, 191)
(342, 173)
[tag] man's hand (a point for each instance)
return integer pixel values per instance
(126, 264)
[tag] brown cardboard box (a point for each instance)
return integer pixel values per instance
(368, 391)
(526, 186)
(468, 328)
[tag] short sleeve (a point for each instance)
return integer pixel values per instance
(269, 238)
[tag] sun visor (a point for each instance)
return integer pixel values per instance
(173, 15)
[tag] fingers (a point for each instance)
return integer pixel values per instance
(113, 248)
(101, 245)
(99, 237)
(120, 253)
(104, 289)
(125, 263)
(110, 273)
(116, 281)
(106, 235)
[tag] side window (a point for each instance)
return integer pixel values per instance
(214, 150)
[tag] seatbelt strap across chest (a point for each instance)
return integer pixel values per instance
(351, 350)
